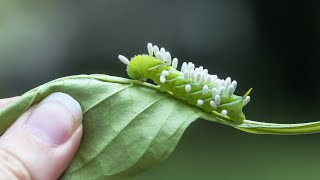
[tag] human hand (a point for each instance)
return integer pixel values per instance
(42, 142)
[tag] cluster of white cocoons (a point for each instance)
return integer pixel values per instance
(163, 55)
(217, 86)
(192, 74)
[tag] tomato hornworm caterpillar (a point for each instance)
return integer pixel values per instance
(194, 85)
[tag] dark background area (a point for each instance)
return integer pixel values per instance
(271, 46)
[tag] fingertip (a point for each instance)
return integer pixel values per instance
(47, 136)
(55, 119)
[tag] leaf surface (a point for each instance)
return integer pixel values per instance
(128, 126)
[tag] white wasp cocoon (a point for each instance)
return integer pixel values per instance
(201, 69)
(155, 50)
(186, 75)
(217, 83)
(222, 83)
(200, 102)
(217, 99)
(160, 56)
(198, 77)
(150, 49)
(220, 91)
(162, 79)
(230, 90)
(246, 100)
(174, 63)
(205, 90)
(214, 78)
(188, 88)
(192, 75)
(203, 78)
(196, 70)
(224, 112)
(234, 84)
(165, 73)
(214, 92)
(213, 105)
(205, 72)
(123, 59)
(184, 67)
(167, 57)
(209, 79)
(228, 81)
(191, 66)
(163, 50)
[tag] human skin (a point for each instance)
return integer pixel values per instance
(42, 141)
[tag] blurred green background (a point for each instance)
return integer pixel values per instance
(271, 46)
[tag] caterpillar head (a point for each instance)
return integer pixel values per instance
(131, 68)
(138, 66)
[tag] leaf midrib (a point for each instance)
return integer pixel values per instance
(105, 98)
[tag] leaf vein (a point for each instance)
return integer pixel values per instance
(135, 117)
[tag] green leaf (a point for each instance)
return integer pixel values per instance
(129, 126)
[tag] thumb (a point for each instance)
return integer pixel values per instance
(42, 142)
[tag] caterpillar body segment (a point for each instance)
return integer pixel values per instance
(194, 85)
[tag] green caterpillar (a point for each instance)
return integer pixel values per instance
(194, 85)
